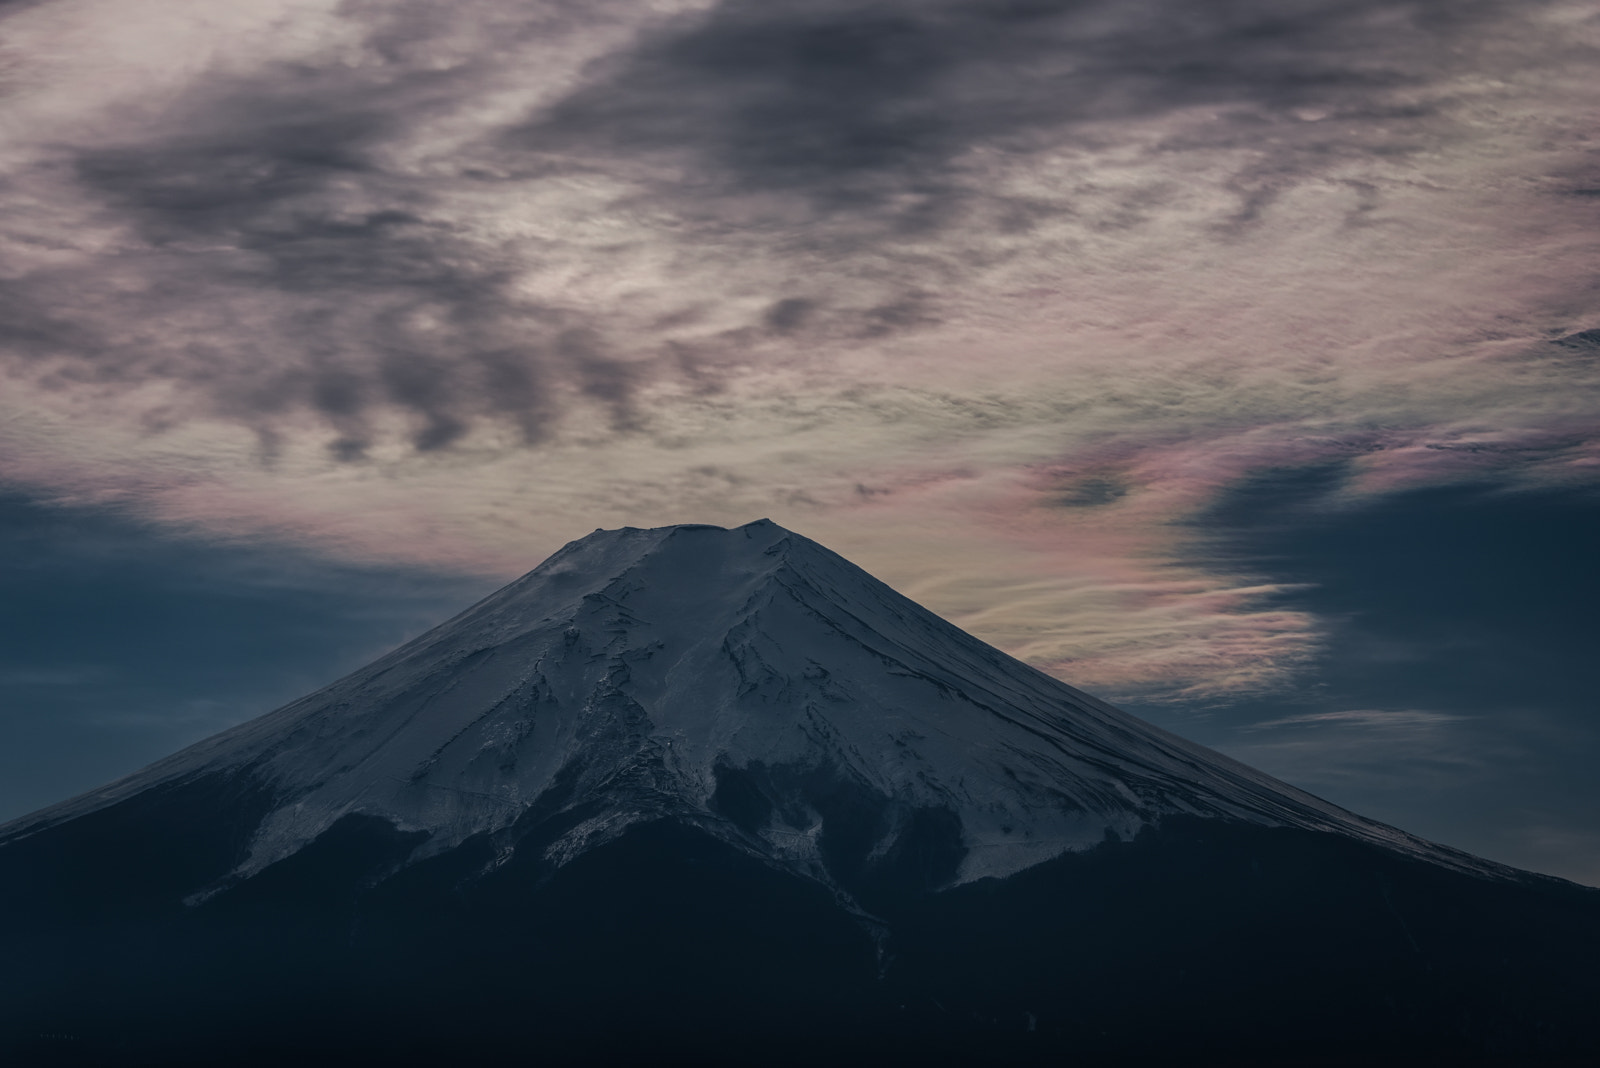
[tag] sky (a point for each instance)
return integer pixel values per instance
(1235, 360)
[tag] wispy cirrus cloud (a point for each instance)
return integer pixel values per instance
(1399, 745)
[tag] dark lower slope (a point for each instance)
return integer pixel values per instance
(1199, 942)
(1256, 945)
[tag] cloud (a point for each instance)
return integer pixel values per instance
(1501, 782)
(996, 298)
(850, 105)
(518, 213)
(285, 267)
(1373, 748)
(291, 241)
(1405, 721)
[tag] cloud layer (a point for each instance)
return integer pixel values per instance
(995, 298)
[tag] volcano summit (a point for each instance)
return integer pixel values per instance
(719, 795)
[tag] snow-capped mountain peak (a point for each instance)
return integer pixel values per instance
(746, 681)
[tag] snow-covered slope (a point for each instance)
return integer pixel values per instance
(635, 673)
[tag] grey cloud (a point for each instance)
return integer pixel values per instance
(1583, 341)
(789, 314)
(29, 327)
(270, 201)
(292, 181)
(1376, 748)
(1409, 720)
(860, 146)
(851, 106)
(291, 264)
(235, 178)
(1092, 491)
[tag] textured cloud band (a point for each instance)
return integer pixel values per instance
(1038, 277)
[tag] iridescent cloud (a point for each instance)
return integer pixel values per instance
(995, 299)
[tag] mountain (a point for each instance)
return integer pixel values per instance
(719, 795)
